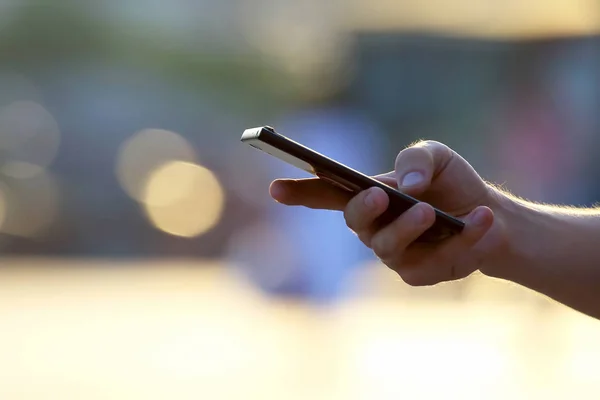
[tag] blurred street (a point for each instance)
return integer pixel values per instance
(193, 329)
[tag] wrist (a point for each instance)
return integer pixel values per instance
(535, 238)
(518, 236)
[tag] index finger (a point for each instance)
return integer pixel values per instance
(311, 193)
(316, 193)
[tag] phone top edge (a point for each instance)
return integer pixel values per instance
(251, 134)
(270, 136)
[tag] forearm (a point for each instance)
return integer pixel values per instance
(552, 250)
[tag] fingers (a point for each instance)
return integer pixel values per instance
(362, 211)
(393, 239)
(418, 165)
(388, 178)
(477, 223)
(311, 193)
(417, 264)
(316, 193)
(453, 259)
(415, 168)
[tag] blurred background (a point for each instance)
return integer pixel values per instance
(142, 257)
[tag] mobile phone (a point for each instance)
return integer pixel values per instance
(269, 141)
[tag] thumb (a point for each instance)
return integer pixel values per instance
(418, 165)
(389, 178)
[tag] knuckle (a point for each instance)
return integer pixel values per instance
(416, 156)
(365, 238)
(439, 150)
(430, 143)
(353, 210)
(411, 152)
(350, 219)
(432, 146)
(381, 247)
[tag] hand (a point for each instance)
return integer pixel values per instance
(439, 177)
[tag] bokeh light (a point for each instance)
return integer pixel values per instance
(145, 152)
(479, 18)
(20, 169)
(29, 136)
(183, 199)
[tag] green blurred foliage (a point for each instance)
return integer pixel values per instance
(50, 34)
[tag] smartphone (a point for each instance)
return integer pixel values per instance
(345, 178)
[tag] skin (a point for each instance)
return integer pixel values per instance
(552, 250)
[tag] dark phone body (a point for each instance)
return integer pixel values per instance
(269, 141)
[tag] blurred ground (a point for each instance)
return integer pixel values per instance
(169, 329)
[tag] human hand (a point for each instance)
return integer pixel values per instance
(438, 177)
